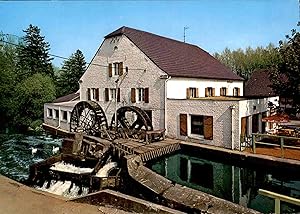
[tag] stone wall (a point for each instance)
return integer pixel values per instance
(142, 73)
(222, 120)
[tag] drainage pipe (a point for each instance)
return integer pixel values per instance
(232, 126)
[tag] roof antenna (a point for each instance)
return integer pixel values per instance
(184, 29)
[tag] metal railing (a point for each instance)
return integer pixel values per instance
(278, 198)
(281, 145)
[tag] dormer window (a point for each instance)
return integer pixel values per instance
(115, 69)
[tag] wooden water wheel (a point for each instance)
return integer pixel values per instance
(88, 117)
(133, 121)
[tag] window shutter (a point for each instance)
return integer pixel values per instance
(197, 92)
(106, 92)
(133, 95)
(97, 94)
(238, 91)
(226, 91)
(88, 94)
(188, 93)
(118, 95)
(221, 92)
(213, 92)
(208, 127)
(110, 70)
(120, 68)
(243, 126)
(206, 92)
(183, 124)
(146, 95)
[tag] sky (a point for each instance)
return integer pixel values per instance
(212, 25)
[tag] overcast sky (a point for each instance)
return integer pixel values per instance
(213, 25)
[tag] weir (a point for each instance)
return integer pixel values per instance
(130, 143)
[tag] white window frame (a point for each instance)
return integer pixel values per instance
(193, 92)
(210, 91)
(224, 89)
(112, 94)
(62, 117)
(69, 116)
(194, 135)
(115, 69)
(54, 114)
(48, 113)
(235, 91)
(140, 95)
(93, 94)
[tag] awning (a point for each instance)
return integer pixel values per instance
(277, 118)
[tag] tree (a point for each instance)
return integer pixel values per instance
(72, 70)
(285, 76)
(31, 95)
(8, 76)
(33, 55)
(244, 62)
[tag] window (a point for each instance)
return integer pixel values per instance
(112, 94)
(115, 69)
(236, 91)
(140, 94)
(192, 93)
(56, 114)
(197, 124)
(93, 94)
(223, 91)
(209, 92)
(64, 115)
(49, 113)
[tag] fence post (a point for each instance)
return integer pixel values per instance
(281, 147)
(253, 144)
(277, 206)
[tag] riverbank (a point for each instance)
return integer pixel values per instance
(17, 198)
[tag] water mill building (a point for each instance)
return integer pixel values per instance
(183, 89)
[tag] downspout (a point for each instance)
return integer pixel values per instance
(232, 126)
(167, 78)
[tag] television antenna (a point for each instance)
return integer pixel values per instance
(184, 29)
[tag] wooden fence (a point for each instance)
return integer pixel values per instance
(282, 143)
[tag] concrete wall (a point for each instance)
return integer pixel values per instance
(58, 121)
(222, 120)
(143, 73)
(176, 86)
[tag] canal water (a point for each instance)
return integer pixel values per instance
(230, 180)
(18, 152)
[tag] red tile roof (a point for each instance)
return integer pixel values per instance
(259, 84)
(177, 58)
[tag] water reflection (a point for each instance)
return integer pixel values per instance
(237, 184)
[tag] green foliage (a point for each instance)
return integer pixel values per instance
(286, 75)
(26, 81)
(244, 62)
(34, 54)
(8, 76)
(31, 95)
(72, 70)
